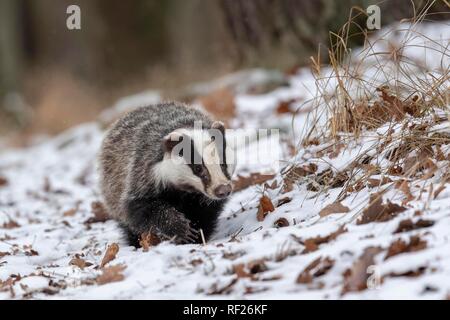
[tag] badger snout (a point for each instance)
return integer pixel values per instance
(223, 190)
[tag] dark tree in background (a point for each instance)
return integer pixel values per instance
(11, 53)
(128, 46)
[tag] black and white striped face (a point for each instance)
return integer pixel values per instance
(196, 159)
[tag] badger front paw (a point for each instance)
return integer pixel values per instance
(183, 232)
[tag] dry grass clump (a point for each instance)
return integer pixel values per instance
(390, 95)
(365, 114)
(383, 82)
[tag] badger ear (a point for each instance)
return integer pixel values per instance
(171, 140)
(219, 125)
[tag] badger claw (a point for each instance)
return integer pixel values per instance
(179, 229)
(191, 235)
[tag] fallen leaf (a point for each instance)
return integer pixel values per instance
(335, 207)
(312, 244)
(296, 173)
(399, 246)
(11, 224)
(70, 212)
(265, 206)
(147, 240)
(251, 269)
(288, 186)
(243, 182)
(395, 170)
(328, 178)
(80, 263)
(285, 106)
(196, 262)
(431, 167)
(232, 255)
(372, 182)
(282, 201)
(281, 222)
(271, 186)
(257, 266)
(272, 278)
(358, 186)
(394, 106)
(111, 274)
(335, 150)
(31, 252)
(316, 268)
(355, 278)
(408, 225)
(110, 254)
(403, 186)
(252, 290)
(8, 284)
(239, 270)
(379, 212)
(215, 289)
(100, 213)
(411, 273)
(3, 181)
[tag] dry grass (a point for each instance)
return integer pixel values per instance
(387, 95)
(400, 85)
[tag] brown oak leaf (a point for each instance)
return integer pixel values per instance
(80, 263)
(408, 225)
(335, 207)
(147, 240)
(312, 244)
(379, 212)
(316, 268)
(355, 278)
(265, 206)
(243, 182)
(110, 254)
(400, 246)
(111, 274)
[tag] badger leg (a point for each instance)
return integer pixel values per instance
(154, 215)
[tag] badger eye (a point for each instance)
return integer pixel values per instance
(197, 169)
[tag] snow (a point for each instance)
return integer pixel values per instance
(47, 180)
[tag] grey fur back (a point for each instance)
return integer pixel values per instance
(133, 145)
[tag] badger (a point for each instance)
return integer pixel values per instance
(164, 171)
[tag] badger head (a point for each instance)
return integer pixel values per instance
(197, 160)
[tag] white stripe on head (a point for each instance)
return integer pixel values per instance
(176, 169)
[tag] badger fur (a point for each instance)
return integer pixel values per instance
(152, 185)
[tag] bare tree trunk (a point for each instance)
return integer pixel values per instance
(10, 47)
(199, 39)
(281, 33)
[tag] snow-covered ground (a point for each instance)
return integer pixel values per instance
(53, 238)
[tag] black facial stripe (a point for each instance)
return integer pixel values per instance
(221, 145)
(198, 167)
(223, 163)
(206, 176)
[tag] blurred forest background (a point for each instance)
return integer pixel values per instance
(52, 78)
